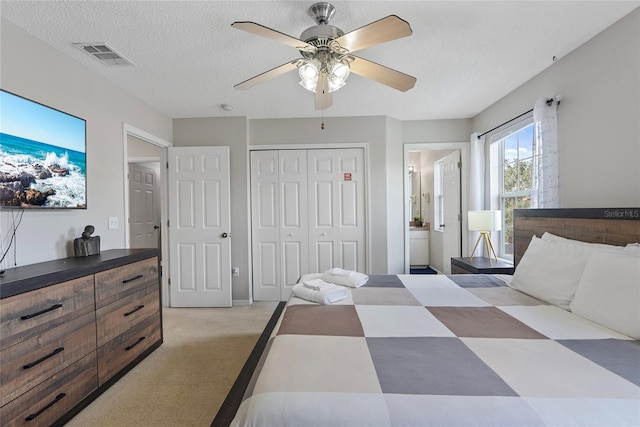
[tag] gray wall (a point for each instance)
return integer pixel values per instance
(598, 117)
(33, 69)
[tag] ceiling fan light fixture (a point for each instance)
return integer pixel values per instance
(309, 85)
(338, 75)
(310, 70)
(327, 54)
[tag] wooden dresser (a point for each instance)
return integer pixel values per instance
(70, 328)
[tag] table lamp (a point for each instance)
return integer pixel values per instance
(485, 222)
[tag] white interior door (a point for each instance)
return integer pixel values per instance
(451, 205)
(144, 207)
(279, 222)
(336, 209)
(199, 227)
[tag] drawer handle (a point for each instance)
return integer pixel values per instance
(140, 307)
(43, 358)
(135, 343)
(49, 405)
(139, 276)
(38, 313)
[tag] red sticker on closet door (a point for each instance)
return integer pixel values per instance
(347, 176)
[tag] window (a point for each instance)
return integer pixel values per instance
(511, 176)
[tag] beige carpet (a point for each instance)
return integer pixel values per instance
(185, 381)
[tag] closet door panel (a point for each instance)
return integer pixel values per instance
(349, 203)
(322, 218)
(324, 256)
(294, 265)
(350, 253)
(336, 209)
(265, 225)
(351, 230)
(294, 219)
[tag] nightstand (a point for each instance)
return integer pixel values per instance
(479, 265)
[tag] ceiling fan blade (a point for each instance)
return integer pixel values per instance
(274, 72)
(381, 31)
(381, 74)
(263, 31)
(324, 99)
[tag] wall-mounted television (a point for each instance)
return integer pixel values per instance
(43, 162)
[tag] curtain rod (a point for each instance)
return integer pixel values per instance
(549, 101)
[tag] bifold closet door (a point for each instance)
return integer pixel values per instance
(279, 219)
(307, 216)
(336, 209)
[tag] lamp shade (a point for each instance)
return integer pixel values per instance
(484, 220)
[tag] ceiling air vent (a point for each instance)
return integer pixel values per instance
(103, 53)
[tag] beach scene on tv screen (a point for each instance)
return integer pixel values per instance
(42, 156)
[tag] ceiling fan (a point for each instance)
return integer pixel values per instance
(327, 54)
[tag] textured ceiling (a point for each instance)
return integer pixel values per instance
(465, 55)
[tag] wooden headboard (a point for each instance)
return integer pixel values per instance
(612, 226)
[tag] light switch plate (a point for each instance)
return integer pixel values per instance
(113, 222)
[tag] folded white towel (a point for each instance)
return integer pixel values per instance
(328, 295)
(340, 272)
(353, 280)
(309, 276)
(316, 284)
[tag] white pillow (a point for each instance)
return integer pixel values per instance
(634, 248)
(609, 292)
(630, 247)
(550, 270)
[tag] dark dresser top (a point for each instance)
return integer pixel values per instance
(30, 277)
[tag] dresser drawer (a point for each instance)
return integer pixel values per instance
(123, 349)
(44, 404)
(118, 317)
(32, 361)
(111, 285)
(27, 315)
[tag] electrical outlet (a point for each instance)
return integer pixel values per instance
(113, 223)
(235, 271)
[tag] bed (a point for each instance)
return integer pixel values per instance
(471, 350)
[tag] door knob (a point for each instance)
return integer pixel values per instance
(225, 235)
(155, 227)
(323, 234)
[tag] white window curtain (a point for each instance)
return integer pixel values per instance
(476, 177)
(545, 176)
(476, 172)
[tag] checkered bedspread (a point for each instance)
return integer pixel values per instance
(435, 350)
